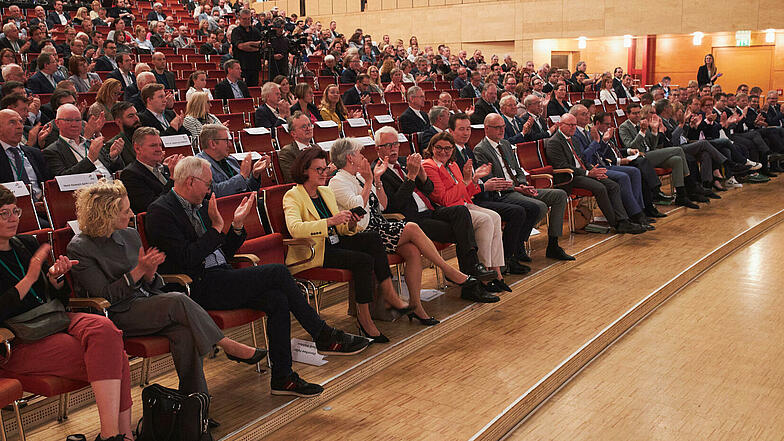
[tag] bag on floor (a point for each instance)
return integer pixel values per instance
(169, 415)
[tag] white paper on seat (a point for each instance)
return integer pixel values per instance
(635, 99)
(610, 101)
(384, 119)
(597, 101)
(77, 181)
(427, 295)
(478, 126)
(401, 138)
(18, 188)
(256, 130)
(326, 145)
(534, 232)
(356, 122)
(366, 141)
(326, 124)
(555, 118)
(285, 127)
(619, 112)
(175, 141)
(240, 156)
(622, 101)
(305, 352)
(74, 226)
(641, 90)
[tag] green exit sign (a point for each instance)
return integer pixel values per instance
(743, 38)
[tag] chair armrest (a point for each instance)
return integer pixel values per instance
(98, 303)
(6, 334)
(543, 177)
(563, 170)
(246, 258)
(568, 171)
(180, 279)
(393, 216)
(304, 242)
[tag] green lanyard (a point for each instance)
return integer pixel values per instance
(321, 208)
(18, 173)
(18, 279)
(201, 220)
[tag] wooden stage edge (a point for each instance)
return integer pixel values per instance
(356, 374)
(526, 404)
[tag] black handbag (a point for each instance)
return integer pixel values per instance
(169, 415)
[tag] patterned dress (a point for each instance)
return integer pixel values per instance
(389, 230)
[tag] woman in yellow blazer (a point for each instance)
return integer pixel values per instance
(311, 212)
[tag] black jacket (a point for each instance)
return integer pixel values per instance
(37, 161)
(400, 192)
(351, 97)
(265, 118)
(169, 229)
(223, 90)
(62, 161)
(119, 77)
(411, 123)
(148, 119)
(143, 187)
(481, 109)
(104, 64)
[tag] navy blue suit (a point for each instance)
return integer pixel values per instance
(513, 130)
(39, 84)
(627, 177)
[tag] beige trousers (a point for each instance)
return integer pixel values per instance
(487, 230)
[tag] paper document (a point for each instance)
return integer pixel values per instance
(555, 118)
(357, 122)
(326, 145)
(633, 157)
(384, 119)
(74, 226)
(427, 295)
(256, 130)
(175, 141)
(326, 124)
(240, 156)
(305, 352)
(75, 182)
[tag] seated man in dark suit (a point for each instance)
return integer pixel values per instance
(44, 81)
(485, 105)
(125, 115)
(106, 62)
(20, 162)
(514, 127)
(273, 111)
(408, 188)
(439, 121)
(359, 93)
(133, 94)
(157, 13)
(189, 230)
(301, 129)
(538, 126)
(57, 16)
(149, 175)
(474, 88)
(72, 153)
(229, 176)
(124, 71)
(461, 80)
(330, 67)
(561, 154)
(157, 115)
(352, 69)
(495, 150)
(625, 89)
(162, 75)
(233, 86)
(413, 119)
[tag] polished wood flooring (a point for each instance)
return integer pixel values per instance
(453, 386)
(706, 365)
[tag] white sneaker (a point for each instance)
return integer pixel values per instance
(753, 165)
(732, 182)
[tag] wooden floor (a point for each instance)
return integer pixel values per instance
(453, 386)
(706, 365)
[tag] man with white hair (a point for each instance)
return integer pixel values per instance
(13, 72)
(439, 121)
(229, 176)
(157, 13)
(72, 153)
(142, 80)
(330, 67)
(273, 110)
(189, 229)
(11, 39)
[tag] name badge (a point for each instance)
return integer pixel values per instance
(333, 239)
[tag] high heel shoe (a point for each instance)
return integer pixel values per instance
(257, 357)
(471, 280)
(430, 321)
(380, 338)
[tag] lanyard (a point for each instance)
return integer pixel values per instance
(446, 166)
(18, 173)
(18, 279)
(201, 220)
(321, 207)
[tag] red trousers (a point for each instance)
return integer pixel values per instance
(91, 349)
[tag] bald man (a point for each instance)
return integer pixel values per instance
(20, 162)
(72, 153)
(561, 153)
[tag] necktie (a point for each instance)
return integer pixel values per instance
(506, 163)
(644, 142)
(159, 174)
(224, 165)
(421, 195)
(574, 153)
(21, 173)
(516, 125)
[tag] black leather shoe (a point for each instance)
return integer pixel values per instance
(694, 197)
(482, 273)
(257, 357)
(626, 227)
(662, 195)
(477, 293)
(557, 253)
(713, 195)
(498, 285)
(517, 268)
(523, 256)
(654, 213)
(212, 424)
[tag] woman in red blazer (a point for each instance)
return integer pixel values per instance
(452, 186)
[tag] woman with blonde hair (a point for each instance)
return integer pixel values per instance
(203, 29)
(109, 93)
(386, 69)
(142, 41)
(197, 114)
(83, 80)
(396, 85)
(113, 264)
(197, 82)
(332, 108)
(81, 16)
(375, 81)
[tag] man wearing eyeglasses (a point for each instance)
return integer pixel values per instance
(229, 176)
(301, 129)
(20, 162)
(73, 154)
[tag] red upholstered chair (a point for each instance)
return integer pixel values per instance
(241, 105)
(256, 143)
(374, 109)
(10, 394)
(59, 204)
(223, 319)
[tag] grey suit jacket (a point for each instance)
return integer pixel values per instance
(286, 157)
(632, 139)
(485, 153)
(62, 161)
(559, 155)
(104, 268)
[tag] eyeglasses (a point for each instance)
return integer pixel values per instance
(222, 139)
(207, 183)
(389, 145)
(5, 214)
(70, 120)
(320, 170)
(495, 127)
(568, 124)
(442, 148)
